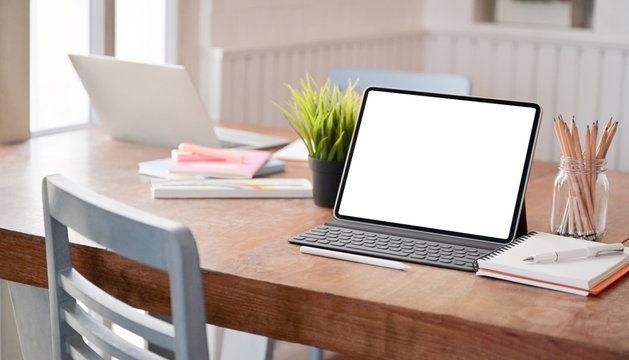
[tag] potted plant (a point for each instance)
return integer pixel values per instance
(324, 118)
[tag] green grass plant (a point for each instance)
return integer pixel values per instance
(323, 117)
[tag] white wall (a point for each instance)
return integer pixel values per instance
(439, 13)
(610, 17)
(242, 24)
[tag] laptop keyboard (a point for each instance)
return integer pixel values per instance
(226, 144)
(391, 247)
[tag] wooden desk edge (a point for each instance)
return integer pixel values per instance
(426, 334)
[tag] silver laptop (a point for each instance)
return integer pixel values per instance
(156, 105)
(432, 179)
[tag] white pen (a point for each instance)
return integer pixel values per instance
(353, 257)
(582, 252)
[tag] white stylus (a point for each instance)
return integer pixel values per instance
(353, 257)
(582, 252)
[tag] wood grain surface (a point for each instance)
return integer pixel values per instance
(257, 282)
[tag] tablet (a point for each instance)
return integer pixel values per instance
(443, 164)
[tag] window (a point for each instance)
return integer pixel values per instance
(57, 98)
(144, 31)
(141, 30)
(540, 13)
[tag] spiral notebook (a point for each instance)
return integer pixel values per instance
(581, 276)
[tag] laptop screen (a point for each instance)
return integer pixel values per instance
(445, 164)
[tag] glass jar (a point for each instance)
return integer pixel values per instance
(580, 195)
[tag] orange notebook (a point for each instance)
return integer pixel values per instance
(582, 276)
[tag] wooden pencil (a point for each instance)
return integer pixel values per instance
(588, 161)
(612, 132)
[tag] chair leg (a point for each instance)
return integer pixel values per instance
(241, 345)
(32, 317)
(8, 329)
(315, 353)
(270, 348)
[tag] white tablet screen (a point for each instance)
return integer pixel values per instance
(433, 162)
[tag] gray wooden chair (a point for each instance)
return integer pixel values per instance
(146, 238)
(418, 81)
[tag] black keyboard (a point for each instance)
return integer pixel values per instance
(390, 247)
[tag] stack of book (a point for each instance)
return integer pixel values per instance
(211, 172)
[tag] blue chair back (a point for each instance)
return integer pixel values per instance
(429, 82)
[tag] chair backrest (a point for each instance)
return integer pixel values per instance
(143, 237)
(429, 82)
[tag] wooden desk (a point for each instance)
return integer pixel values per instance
(257, 282)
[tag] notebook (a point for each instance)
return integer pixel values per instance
(252, 161)
(232, 188)
(582, 276)
(293, 153)
(156, 105)
(447, 169)
(160, 168)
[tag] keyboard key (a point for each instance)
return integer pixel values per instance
(377, 251)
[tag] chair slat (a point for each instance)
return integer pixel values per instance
(154, 330)
(103, 337)
(79, 350)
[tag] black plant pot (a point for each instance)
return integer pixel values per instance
(326, 177)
